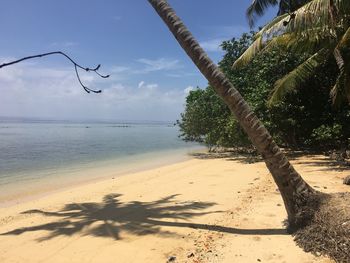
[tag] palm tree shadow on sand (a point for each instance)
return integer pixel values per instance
(111, 217)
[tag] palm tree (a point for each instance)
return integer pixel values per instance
(257, 8)
(320, 28)
(296, 193)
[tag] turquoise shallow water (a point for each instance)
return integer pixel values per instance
(32, 151)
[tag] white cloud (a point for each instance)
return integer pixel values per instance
(56, 93)
(152, 86)
(218, 34)
(212, 45)
(148, 66)
(158, 64)
(141, 84)
(181, 74)
(118, 73)
(119, 69)
(188, 89)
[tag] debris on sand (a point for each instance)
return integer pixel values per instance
(329, 231)
(171, 259)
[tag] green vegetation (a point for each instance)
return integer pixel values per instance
(294, 73)
(208, 120)
(303, 118)
(300, 199)
(310, 212)
(321, 30)
(258, 7)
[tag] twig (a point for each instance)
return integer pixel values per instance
(76, 66)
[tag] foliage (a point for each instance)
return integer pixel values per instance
(327, 134)
(258, 7)
(304, 118)
(321, 29)
(208, 120)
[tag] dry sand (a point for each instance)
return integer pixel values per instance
(201, 210)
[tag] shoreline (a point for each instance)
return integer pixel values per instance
(199, 210)
(71, 177)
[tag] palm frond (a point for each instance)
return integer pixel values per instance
(257, 8)
(311, 24)
(318, 25)
(309, 42)
(256, 46)
(341, 89)
(338, 91)
(311, 15)
(295, 78)
(345, 40)
(316, 14)
(248, 55)
(302, 43)
(339, 59)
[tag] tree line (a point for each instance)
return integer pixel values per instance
(305, 117)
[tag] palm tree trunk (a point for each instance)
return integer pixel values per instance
(296, 193)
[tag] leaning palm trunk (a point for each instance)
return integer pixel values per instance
(296, 193)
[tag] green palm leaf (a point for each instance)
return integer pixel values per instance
(257, 45)
(302, 43)
(312, 23)
(320, 27)
(295, 78)
(341, 89)
(338, 91)
(258, 7)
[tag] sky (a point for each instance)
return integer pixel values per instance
(150, 74)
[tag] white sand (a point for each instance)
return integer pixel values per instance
(212, 210)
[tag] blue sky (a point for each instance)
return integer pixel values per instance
(150, 73)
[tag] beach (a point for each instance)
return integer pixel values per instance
(38, 157)
(199, 210)
(166, 131)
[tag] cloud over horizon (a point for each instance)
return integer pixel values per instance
(55, 93)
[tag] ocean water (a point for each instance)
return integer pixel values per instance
(31, 151)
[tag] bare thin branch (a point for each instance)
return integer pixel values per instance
(76, 66)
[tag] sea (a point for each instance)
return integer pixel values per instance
(49, 154)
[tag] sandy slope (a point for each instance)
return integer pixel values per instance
(201, 210)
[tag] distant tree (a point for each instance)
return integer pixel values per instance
(206, 117)
(208, 120)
